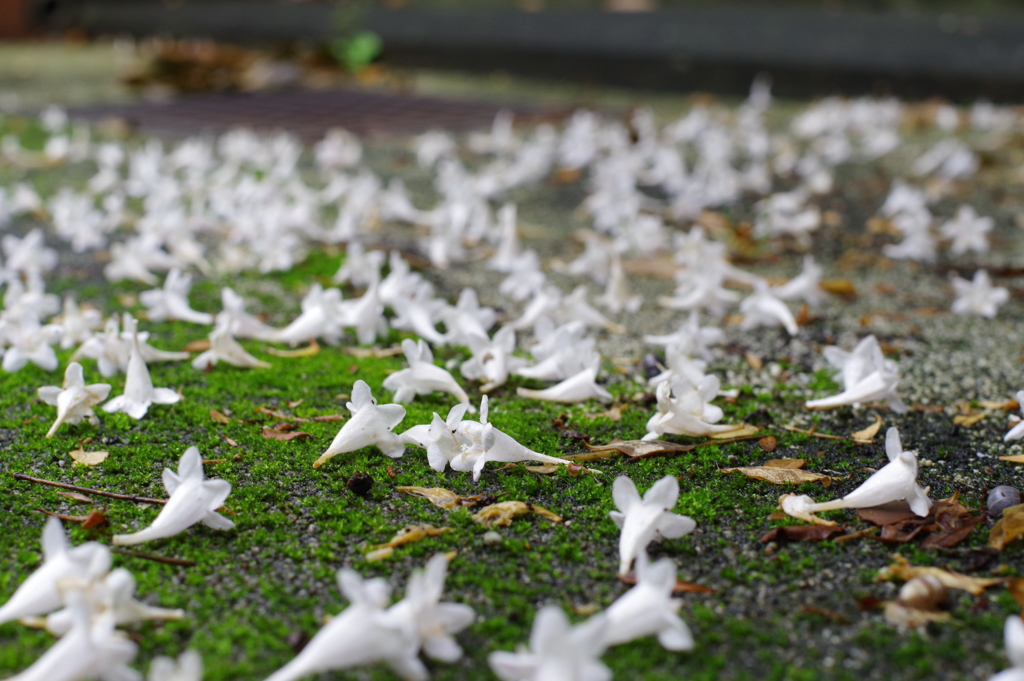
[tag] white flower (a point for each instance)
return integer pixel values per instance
(86, 652)
(29, 341)
(762, 308)
(189, 667)
(492, 359)
(225, 348)
(578, 388)
(504, 259)
(684, 408)
(422, 376)
(40, 593)
(467, 318)
(642, 521)
(691, 338)
(238, 322)
(438, 438)
(557, 652)
(362, 634)
(1017, 432)
(648, 609)
(617, 297)
(574, 307)
(192, 500)
(112, 349)
(978, 296)
(895, 481)
(371, 424)
(77, 324)
(113, 594)
(419, 313)
(805, 286)
(787, 213)
(139, 392)
(480, 442)
(171, 302)
(322, 317)
(366, 314)
(435, 622)
(679, 363)
(968, 231)
(28, 255)
(360, 268)
(1013, 637)
(866, 375)
(75, 400)
(134, 259)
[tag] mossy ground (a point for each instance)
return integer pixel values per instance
(255, 590)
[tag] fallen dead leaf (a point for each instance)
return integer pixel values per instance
(379, 554)
(75, 496)
(286, 436)
(613, 413)
(201, 345)
(329, 418)
(409, 534)
(295, 403)
(638, 449)
(1007, 405)
(311, 350)
(94, 519)
(1016, 589)
(585, 610)
(502, 513)
(376, 353)
(543, 469)
(277, 414)
(231, 443)
(780, 476)
(967, 420)
(753, 360)
(219, 417)
(769, 444)
(1016, 458)
(801, 533)
(903, 570)
(1009, 528)
(84, 458)
(741, 430)
(867, 532)
(870, 431)
(785, 463)
(680, 587)
(831, 615)
(440, 497)
(899, 615)
(839, 287)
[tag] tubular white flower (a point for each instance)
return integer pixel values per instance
(642, 521)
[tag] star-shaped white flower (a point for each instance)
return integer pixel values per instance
(577, 388)
(139, 392)
(40, 593)
(322, 317)
(467, 318)
(645, 520)
(77, 324)
(763, 308)
(29, 341)
(648, 609)
(805, 286)
(978, 296)
(866, 375)
(694, 339)
(492, 359)
(968, 231)
(171, 301)
(422, 376)
(224, 348)
(684, 408)
(112, 349)
(192, 500)
(112, 593)
(75, 400)
(895, 481)
(558, 651)
(240, 323)
(371, 424)
(438, 438)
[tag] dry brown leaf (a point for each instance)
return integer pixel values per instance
(903, 570)
(840, 287)
(294, 403)
(311, 350)
(741, 430)
(376, 353)
(1016, 589)
(613, 413)
(656, 268)
(785, 463)
(440, 497)
(801, 533)
(969, 419)
(1016, 458)
(899, 615)
(503, 512)
(231, 443)
(201, 345)
(219, 417)
(409, 534)
(780, 476)
(75, 496)
(270, 411)
(753, 360)
(769, 444)
(870, 431)
(543, 469)
(94, 519)
(286, 436)
(638, 449)
(1007, 405)
(379, 554)
(329, 418)
(84, 458)
(1009, 528)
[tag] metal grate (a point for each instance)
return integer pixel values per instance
(306, 114)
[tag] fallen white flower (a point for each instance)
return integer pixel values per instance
(192, 500)
(1013, 642)
(467, 318)
(578, 388)
(691, 337)
(188, 667)
(805, 286)
(238, 322)
(322, 317)
(685, 408)
(422, 376)
(77, 324)
(867, 376)
(492, 359)
(371, 424)
(978, 296)
(29, 341)
(226, 349)
(113, 593)
(171, 301)
(112, 349)
(968, 231)
(362, 634)
(642, 521)
(1017, 432)
(762, 308)
(40, 593)
(139, 392)
(648, 609)
(895, 481)
(616, 297)
(75, 400)
(557, 652)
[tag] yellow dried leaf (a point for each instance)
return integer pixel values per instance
(780, 476)
(753, 360)
(1016, 458)
(219, 417)
(201, 345)
(840, 287)
(311, 350)
(903, 570)
(376, 353)
(639, 448)
(411, 533)
(543, 469)
(614, 413)
(741, 430)
(899, 615)
(503, 512)
(870, 431)
(970, 419)
(84, 458)
(1009, 528)
(785, 463)
(438, 496)
(1007, 405)
(379, 554)
(1016, 589)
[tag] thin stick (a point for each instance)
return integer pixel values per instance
(158, 559)
(823, 436)
(86, 490)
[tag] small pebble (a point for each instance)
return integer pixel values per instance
(652, 365)
(360, 483)
(1001, 498)
(492, 538)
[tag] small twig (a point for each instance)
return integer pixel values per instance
(65, 518)
(158, 559)
(86, 490)
(823, 436)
